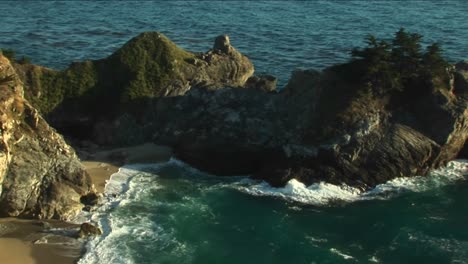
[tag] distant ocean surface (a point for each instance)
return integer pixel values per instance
(279, 36)
(171, 213)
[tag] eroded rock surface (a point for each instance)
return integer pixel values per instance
(40, 175)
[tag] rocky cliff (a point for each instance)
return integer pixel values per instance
(40, 175)
(383, 114)
(307, 132)
(85, 96)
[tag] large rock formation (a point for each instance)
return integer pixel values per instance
(361, 123)
(309, 133)
(87, 95)
(40, 175)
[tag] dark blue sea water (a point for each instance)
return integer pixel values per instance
(278, 36)
(170, 213)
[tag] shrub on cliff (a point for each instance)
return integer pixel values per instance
(142, 68)
(400, 65)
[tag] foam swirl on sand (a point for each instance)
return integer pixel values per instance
(119, 190)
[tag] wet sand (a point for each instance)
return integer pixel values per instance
(102, 164)
(38, 242)
(15, 251)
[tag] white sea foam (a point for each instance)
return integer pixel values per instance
(131, 183)
(323, 193)
(119, 190)
(374, 259)
(317, 194)
(341, 254)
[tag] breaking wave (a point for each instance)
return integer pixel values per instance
(323, 193)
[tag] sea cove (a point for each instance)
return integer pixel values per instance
(233, 132)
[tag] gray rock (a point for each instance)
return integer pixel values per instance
(40, 175)
(88, 229)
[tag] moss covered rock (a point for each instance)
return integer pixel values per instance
(148, 66)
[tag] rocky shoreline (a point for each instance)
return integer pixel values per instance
(345, 124)
(52, 241)
(338, 125)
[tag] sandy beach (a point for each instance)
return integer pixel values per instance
(31, 242)
(38, 242)
(15, 251)
(102, 164)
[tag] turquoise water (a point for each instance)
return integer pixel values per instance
(172, 213)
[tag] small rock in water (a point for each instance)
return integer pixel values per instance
(87, 229)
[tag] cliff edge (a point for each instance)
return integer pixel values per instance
(40, 174)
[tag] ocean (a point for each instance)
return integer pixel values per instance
(278, 36)
(172, 213)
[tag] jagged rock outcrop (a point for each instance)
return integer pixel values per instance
(148, 66)
(40, 175)
(306, 132)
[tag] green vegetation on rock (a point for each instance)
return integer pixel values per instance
(384, 74)
(400, 65)
(151, 61)
(142, 68)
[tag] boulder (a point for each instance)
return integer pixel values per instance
(40, 174)
(88, 229)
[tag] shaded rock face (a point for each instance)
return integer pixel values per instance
(317, 129)
(461, 77)
(464, 152)
(40, 175)
(148, 66)
(235, 132)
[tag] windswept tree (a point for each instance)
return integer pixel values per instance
(377, 61)
(433, 60)
(406, 52)
(399, 64)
